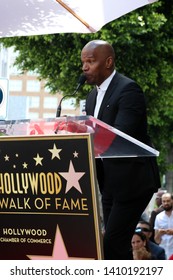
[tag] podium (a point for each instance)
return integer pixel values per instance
(49, 203)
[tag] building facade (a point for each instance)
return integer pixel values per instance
(28, 98)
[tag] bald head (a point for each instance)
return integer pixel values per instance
(98, 58)
(167, 202)
(166, 196)
(101, 46)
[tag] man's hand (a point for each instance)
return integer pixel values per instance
(169, 231)
(70, 126)
(162, 231)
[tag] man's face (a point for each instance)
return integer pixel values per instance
(167, 203)
(145, 229)
(94, 65)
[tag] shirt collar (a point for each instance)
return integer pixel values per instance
(105, 84)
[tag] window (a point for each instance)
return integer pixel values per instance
(33, 86)
(34, 102)
(69, 103)
(15, 85)
(50, 102)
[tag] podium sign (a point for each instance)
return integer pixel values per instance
(48, 199)
(48, 194)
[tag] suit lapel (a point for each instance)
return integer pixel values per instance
(108, 94)
(92, 102)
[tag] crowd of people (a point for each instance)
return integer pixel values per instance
(153, 239)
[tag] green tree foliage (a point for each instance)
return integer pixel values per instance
(143, 42)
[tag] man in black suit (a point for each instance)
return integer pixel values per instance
(126, 184)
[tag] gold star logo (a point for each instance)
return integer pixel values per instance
(25, 165)
(38, 160)
(55, 152)
(6, 158)
(75, 154)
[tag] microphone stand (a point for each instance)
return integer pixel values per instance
(82, 80)
(58, 112)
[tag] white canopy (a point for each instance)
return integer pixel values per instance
(36, 17)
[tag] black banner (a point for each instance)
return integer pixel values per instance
(48, 201)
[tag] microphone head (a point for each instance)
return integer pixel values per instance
(82, 79)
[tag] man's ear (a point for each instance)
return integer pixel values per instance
(109, 62)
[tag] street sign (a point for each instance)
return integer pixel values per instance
(3, 97)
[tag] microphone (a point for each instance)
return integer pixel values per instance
(81, 81)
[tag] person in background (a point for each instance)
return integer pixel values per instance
(156, 250)
(126, 184)
(140, 248)
(144, 216)
(164, 225)
(158, 208)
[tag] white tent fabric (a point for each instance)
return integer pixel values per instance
(36, 17)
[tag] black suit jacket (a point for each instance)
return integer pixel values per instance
(124, 108)
(157, 251)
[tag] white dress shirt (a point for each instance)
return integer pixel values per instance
(163, 221)
(101, 93)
